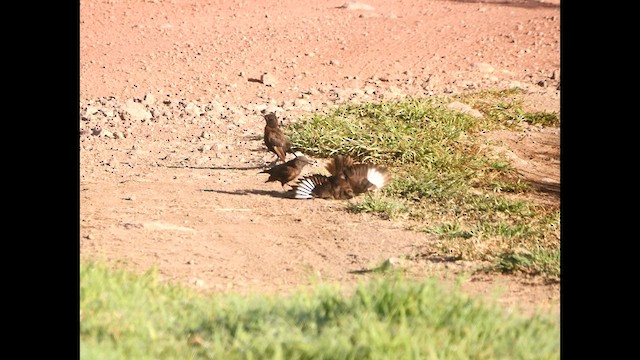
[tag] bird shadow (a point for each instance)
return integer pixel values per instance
(362, 272)
(272, 193)
(386, 267)
(255, 138)
(552, 189)
(527, 4)
(256, 167)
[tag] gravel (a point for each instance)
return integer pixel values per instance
(217, 132)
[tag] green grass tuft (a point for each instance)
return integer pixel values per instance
(443, 175)
(126, 316)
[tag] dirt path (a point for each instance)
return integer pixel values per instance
(175, 183)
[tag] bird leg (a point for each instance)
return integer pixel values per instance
(274, 162)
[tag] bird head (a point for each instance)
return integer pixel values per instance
(271, 119)
(303, 159)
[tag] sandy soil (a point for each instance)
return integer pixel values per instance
(171, 94)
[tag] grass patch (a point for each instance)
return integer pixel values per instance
(539, 262)
(504, 107)
(127, 316)
(445, 181)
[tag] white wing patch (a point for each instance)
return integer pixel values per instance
(305, 187)
(376, 178)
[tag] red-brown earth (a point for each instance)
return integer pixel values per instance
(171, 95)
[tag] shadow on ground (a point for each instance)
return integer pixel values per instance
(272, 193)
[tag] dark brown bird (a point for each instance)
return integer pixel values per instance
(287, 171)
(274, 138)
(347, 180)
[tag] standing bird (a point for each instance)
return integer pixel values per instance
(347, 180)
(287, 171)
(274, 138)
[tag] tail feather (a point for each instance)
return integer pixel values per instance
(378, 176)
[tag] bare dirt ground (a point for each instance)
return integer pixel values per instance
(171, 94)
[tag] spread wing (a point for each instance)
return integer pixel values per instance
(312, 186)
(321, 186)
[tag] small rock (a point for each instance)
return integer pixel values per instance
(260, 108)
(484, 67)
(202, 160)
(90, 111)
(118, 135)
(354, 5)
(395, 262)
(465, 109)
(193, 110)
(334, 62)
(107, 133)
(205, 135)
(393, 92)
(517, 84)
(300, 103)
(268, 79)
(149, 99)
(136, 111)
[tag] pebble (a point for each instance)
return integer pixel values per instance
(91, 110)
(149, 99)
(136, 111)
(484, 67)
(268, 79)
(355, 5)
(465, 109)
(162, 118)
